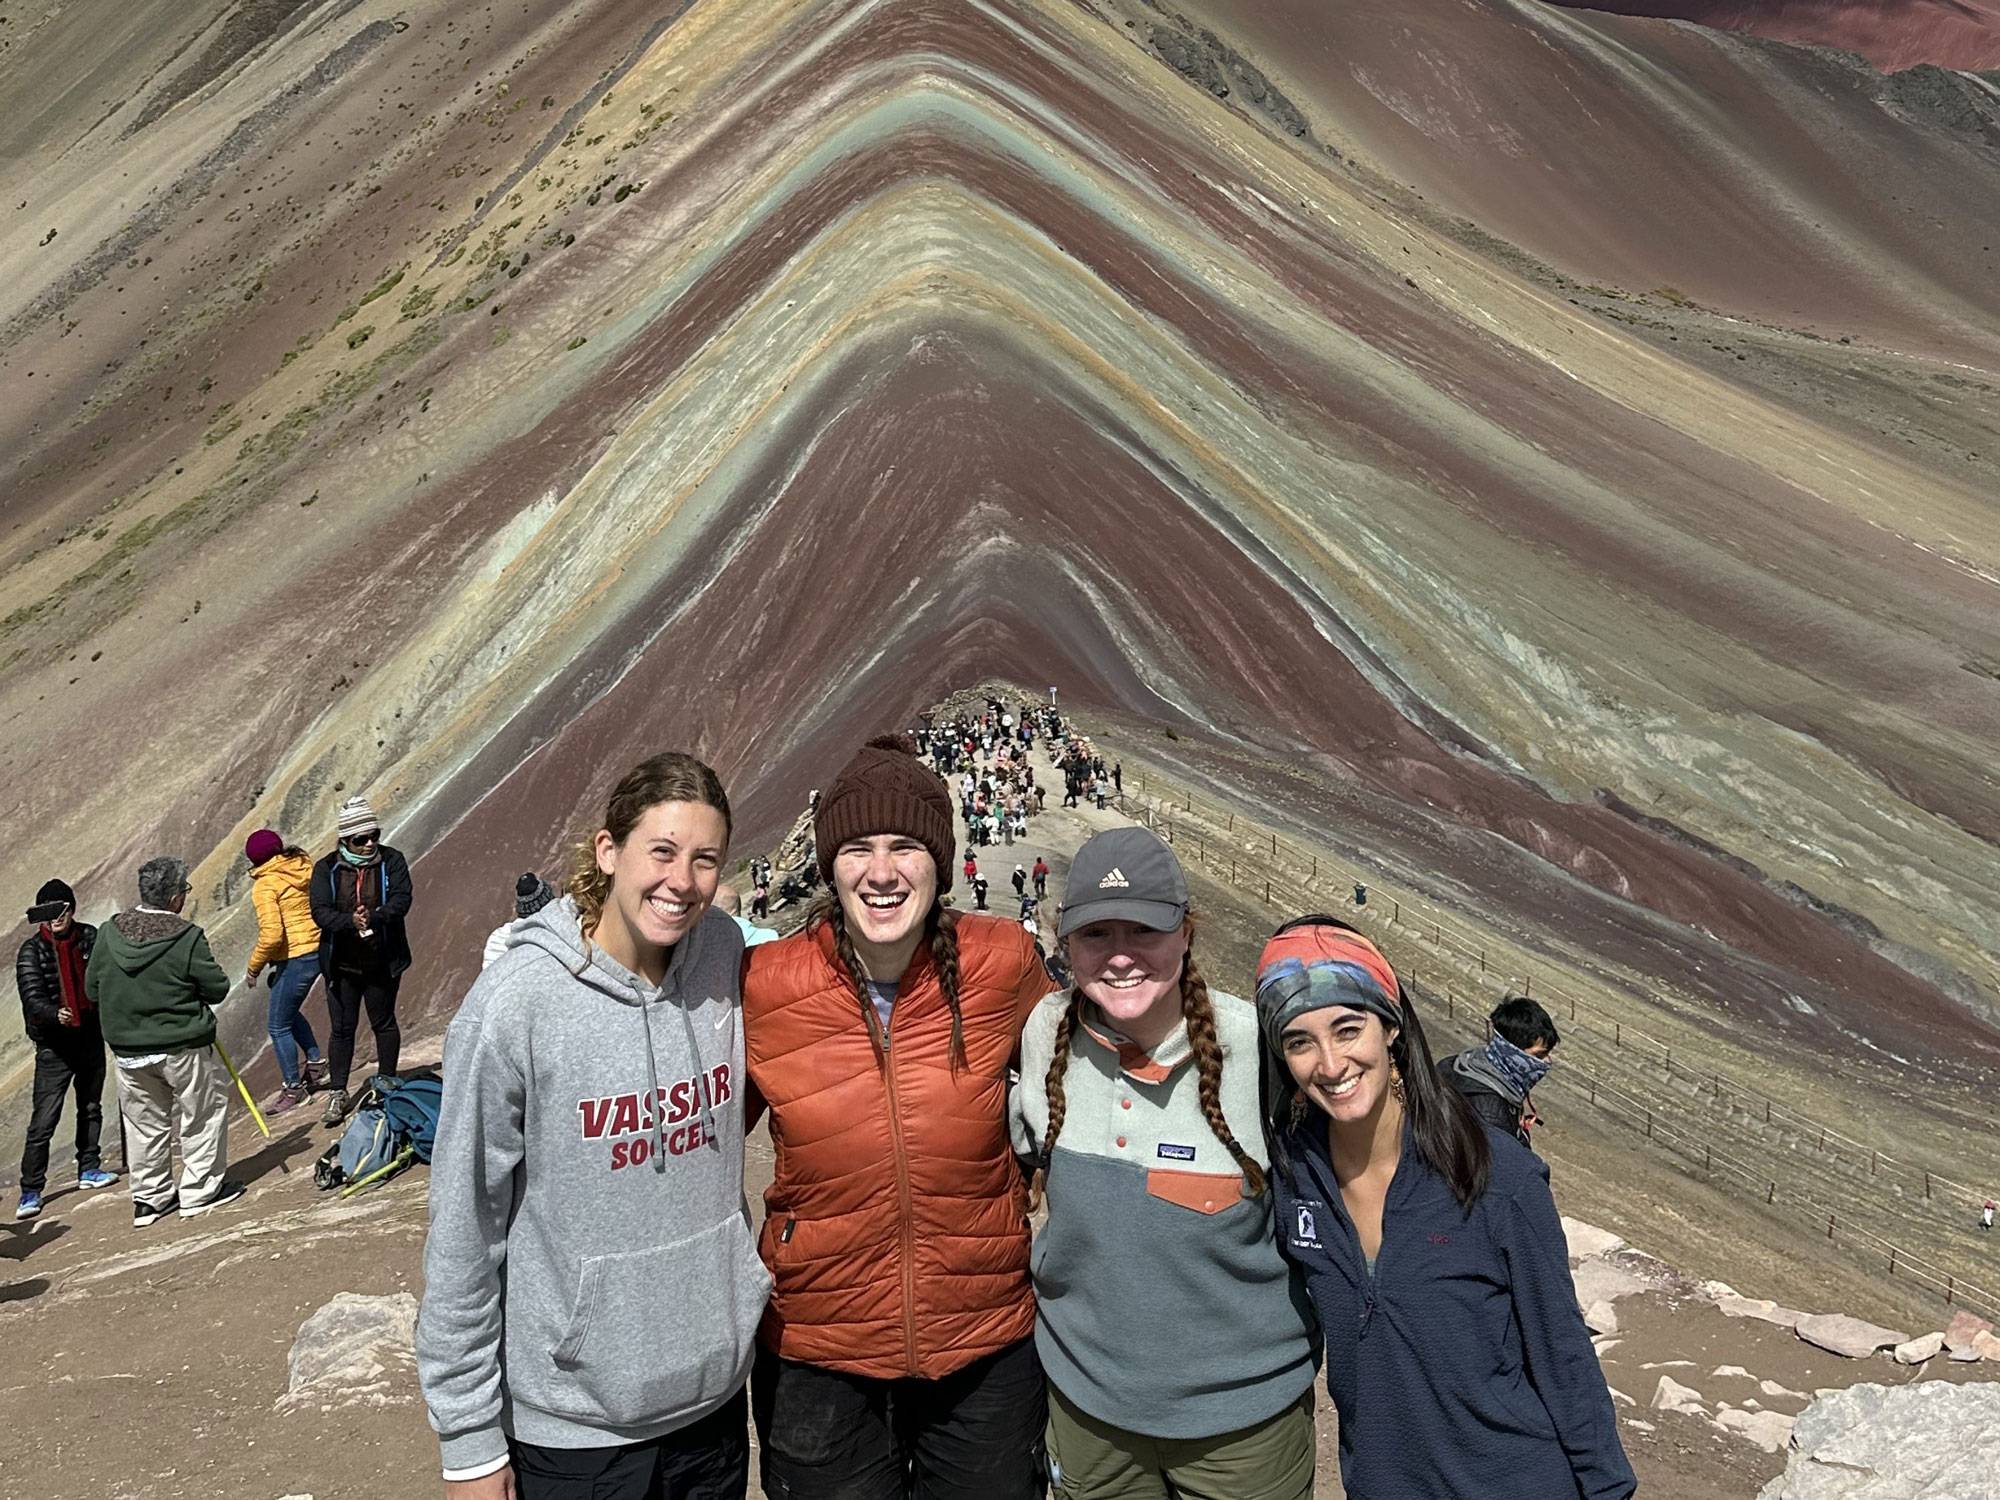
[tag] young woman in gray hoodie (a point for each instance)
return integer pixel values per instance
(592, 1289)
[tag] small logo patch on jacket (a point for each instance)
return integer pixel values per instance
(1176, 1153)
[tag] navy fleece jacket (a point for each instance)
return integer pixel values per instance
(1461, 1368)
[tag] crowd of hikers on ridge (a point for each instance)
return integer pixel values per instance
(1238, 1196)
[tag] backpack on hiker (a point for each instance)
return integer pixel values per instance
(394, 1126)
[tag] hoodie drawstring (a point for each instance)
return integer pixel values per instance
(702, 1088)
(653, 1081)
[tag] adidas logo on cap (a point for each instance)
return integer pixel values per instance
(1114, 881)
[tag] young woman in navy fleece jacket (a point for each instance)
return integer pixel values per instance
(1455, 1353)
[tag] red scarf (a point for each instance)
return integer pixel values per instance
(69, 969)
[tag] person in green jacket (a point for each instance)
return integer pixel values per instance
(153, 981)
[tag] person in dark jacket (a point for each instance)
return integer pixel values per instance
(61, 1025)
(1498, 1080)
(1455, 1353)
(360, 896)
(155, 983)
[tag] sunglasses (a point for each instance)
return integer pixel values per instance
(360, 840)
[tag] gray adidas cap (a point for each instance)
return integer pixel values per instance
(1124, 875)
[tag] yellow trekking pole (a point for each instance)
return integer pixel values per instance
(256, 1114)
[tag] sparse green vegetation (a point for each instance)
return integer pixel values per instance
(578, 342)
(419, 301)
(360, 336)
(383, 287)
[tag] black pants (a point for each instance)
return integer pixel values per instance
(976, 1434)
(346, 994)
(78, 1064)
(709, 1460)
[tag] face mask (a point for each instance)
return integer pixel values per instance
(354, 858)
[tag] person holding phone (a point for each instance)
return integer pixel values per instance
(62, 1026)
(360, 896)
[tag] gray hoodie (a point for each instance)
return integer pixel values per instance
(590, 1277)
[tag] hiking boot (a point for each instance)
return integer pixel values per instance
(30, 1207)
(229, 1192)
(146, 1213)
(291, 1096)
(96, 1178)
(336, 1107)
(313, 1074)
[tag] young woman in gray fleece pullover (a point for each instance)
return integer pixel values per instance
(592, 1289)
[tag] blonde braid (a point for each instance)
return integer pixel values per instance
(1207, 1050)
(1052, 1088)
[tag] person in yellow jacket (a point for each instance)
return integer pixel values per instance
(288, 942)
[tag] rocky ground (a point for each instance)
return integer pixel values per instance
(230, 1355)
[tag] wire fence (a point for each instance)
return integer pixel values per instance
(1292, 877)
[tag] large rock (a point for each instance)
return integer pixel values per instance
(1837, 1333)
(1601, 1317)
(1933, 1440)
(1916, 1351)
(355, 1351)
(1769, 1430)
(1671, 1395)
(1987, 1346)
(1961, 1331)
(1587, 1240)
(1604, 1281)
(1761, 1308)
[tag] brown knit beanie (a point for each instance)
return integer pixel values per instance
(886, 789)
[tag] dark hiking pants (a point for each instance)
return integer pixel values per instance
(346, 996)
(76, 1064)
(975, 1434)
(706, 1460)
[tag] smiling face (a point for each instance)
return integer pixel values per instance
(663, 878)
(886, 883)
(1339, 1058)
(1133, 973)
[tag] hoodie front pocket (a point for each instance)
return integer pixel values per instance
(662, 1332)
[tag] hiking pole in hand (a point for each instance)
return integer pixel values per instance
(256, 1114)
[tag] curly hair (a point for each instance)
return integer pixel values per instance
(670, 777)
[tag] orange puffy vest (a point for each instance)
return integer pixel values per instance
(896, 1229)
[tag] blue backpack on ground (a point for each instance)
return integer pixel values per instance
(394, 1124)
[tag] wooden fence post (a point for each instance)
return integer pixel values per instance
(1274, 846)
(1649, 1124)
(1772, 1195)
(1829, 1226)
(1767, 1111)
(1267, 893)
(1617, 1033)
(1927, 1186)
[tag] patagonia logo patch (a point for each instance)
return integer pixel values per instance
(1176, 1153)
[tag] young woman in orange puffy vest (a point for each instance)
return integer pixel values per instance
(897, 1356)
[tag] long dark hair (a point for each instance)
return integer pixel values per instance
(1448, 1135)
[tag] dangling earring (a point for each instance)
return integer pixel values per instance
(1396, 1083)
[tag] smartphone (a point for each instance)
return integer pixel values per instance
(48, 911)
